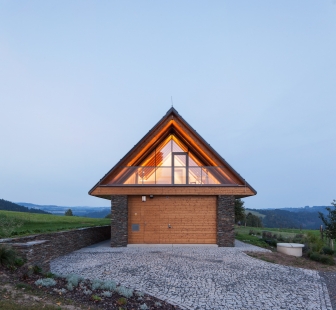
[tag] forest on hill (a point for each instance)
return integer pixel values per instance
(10, 206)
(279, 218)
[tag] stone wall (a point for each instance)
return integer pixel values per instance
(41, 249)
(119, 221)
(225, 221)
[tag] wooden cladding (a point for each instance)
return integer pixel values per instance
(239, 191)
(172, 220)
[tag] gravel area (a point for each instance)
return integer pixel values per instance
(330, 279)
(202, 277)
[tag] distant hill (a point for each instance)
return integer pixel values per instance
(85, 211)
(306, 218)
(10, 206)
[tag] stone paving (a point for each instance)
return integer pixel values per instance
(202, 277)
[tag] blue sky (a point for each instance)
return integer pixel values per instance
(81, 82)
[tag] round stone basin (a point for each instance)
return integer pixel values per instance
(294, 249)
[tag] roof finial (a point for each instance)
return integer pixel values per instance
(171, 98)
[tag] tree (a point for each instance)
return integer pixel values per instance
(108, 216)
(329, 221)
(253, 220)
(239, 210)
(68, 212)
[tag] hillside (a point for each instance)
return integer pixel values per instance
(10, 206)
(85, 211)
(33, 223)
(280, 218)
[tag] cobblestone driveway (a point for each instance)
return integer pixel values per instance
(202, 277)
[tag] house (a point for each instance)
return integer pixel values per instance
(172, 188)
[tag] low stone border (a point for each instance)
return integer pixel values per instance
(41, 249)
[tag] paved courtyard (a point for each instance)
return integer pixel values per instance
(202, 277)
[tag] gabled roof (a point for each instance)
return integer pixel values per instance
(173, 123)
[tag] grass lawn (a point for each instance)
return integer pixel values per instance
(43, 223)
(243, 234)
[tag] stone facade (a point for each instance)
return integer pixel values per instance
(119, 221)
(225, 221)
(41, 249)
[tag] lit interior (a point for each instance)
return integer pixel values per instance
(171, 163)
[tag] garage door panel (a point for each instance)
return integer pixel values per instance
(192, 219)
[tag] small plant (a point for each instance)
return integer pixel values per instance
(70, 287)
(23, 286)
(140, 298)
(96, 298)
(60, 291)
(7, 256)
(122, 301)
(143, 307)
(96, 284)
(74, 279)
(252, 232)
(47, 282)
(328, 251)
(123, 291)
(49, 275)
(87, 291)
(157, 304)
(324, 259)
(109, 285)
(36, 269)
(139, 293)
(106, 294)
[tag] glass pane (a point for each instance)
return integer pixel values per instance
(195, 175)
(180, 160)
(180, 175)
(164, 175)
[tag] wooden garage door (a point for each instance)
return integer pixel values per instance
(192, 219)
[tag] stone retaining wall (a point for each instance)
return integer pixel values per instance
(41, 249)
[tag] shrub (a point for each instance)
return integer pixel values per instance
(252, 232)
(7, 256)
(271, 242)
(87, 291)
(122, 301)
(157, 304)
(49, 275)
(139, 293)
(60, 291)
(123, 291)
(327, 259)
(36, 269)
(70, 286)
(106, 294)
(143, 307)
(328, 251)
(74, 279)
(95, 298)
(109, 285)
(96, 284)
(266, 234)
(47, 282)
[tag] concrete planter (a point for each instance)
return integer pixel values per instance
(293, 249)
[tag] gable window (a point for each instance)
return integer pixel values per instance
(171, 163)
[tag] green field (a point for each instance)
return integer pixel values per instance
(285, 232)
(43, 223)
(242, 234)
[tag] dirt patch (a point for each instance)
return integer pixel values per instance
(287, 260)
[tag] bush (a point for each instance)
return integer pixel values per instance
(74, 279)
(106, 294)
(271, 242)
(7, 255)
(267, 234)
(97, 284)
(328, 251)
(47, 282)
(144, 307)
(324, 259)
(123, 291)
(109, 285)
(252, 232)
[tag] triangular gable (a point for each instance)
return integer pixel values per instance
(150, 160)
